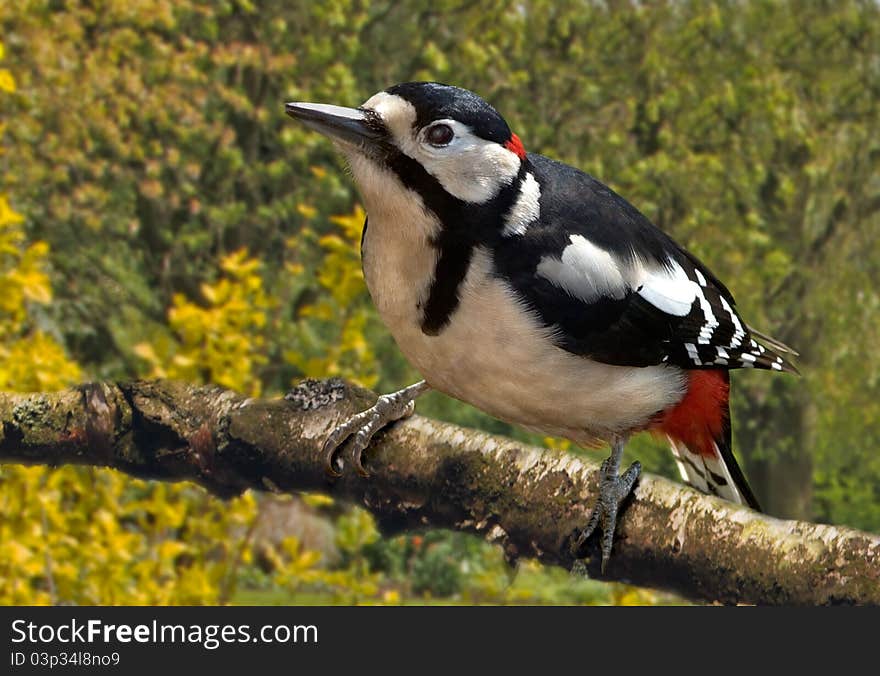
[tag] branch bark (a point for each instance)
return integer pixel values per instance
(427, 473)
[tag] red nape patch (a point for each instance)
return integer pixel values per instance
(515, 146)
(698, 419)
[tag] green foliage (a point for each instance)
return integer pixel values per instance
(438, 572)
(188, 229)
(458, 568)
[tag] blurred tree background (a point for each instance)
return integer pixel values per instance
(160, 216)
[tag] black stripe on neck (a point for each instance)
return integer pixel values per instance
(464, 225)
(449, 273)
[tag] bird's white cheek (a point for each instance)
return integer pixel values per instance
(474, 174)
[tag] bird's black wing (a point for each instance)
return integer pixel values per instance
(615, 288)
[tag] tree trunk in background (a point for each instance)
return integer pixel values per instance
(775, 438)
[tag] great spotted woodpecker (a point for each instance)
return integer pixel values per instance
(532, 291)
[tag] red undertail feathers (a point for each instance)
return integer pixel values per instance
(698, 428)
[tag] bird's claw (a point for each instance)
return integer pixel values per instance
(362, 427)
(613, 490)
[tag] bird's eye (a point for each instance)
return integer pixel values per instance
(439, 135)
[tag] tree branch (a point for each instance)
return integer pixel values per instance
(427, 473)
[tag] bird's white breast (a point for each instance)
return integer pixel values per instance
(494, 353)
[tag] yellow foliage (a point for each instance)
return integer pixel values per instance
(558, 444)
(7, 82)
(299, 570)
(306, 211)
(627, 595)
(37, 529)
(79, 535)
(75, 535)
(35, 363)
(220, 340)
(30, 360)
(347, 353)
(22, 278)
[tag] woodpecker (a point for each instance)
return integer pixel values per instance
(529, 289)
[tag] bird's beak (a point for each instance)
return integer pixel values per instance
(348, 125)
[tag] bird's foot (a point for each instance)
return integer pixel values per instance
(613, 490)
(363, 426)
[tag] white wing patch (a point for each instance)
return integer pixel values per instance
(672, 291)
(526, 209)
(585, 271)
(669, 289)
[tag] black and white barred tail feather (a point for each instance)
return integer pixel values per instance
(718, 474)
(772, 342)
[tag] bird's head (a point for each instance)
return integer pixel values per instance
(443, 142)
